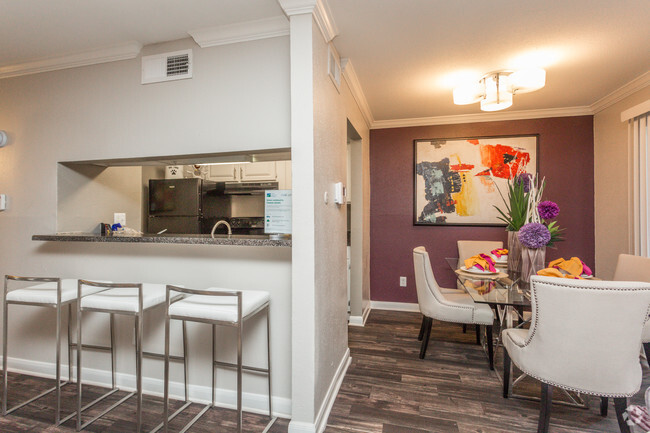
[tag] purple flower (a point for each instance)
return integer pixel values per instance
(525, 179)
(548, 210)
(534, 235)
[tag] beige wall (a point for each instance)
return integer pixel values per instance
(611, 183)
(330, 162)
(360, 218)
(101, 112)
(90, 194)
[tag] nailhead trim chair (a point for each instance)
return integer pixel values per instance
(450, 306)
(584, 336)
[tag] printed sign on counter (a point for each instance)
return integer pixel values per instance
(277, 211)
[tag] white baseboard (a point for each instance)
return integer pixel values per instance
(395, 306)
(256, 403)
(323, 414)
(360, 320)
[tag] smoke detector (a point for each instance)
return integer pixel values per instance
(167, 67)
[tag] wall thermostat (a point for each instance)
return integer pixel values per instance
(339, 193)
(3, 138)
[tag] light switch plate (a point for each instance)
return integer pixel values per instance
(3, 202)
(119, 218)
(402, 281)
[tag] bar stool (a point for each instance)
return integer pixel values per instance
(53, 293)
(130, 299)
(216, 306)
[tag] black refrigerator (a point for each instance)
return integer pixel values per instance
(180, 205)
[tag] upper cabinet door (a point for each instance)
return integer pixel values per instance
(224, 172)
(258, 171)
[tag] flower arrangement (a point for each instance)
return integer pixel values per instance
(517, 204)
(534, 235)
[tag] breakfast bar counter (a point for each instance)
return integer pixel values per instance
(236, 240)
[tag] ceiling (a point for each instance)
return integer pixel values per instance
(36, 29)
(407, 55)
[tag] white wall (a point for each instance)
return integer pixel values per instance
(611, 184)
(101, 112)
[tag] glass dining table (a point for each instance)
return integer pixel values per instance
(509, 296)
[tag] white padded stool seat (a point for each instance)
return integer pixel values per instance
(220, 308)
(126, 299)
(45, 293)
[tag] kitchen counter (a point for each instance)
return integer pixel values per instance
(240, 240)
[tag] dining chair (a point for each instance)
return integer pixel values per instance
(454, 307)
(635, 268)
(592, 349)
(467, 249)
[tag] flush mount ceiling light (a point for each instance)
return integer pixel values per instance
(495, 90)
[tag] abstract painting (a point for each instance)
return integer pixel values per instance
(458, 181)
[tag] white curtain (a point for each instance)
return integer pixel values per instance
(638, 129)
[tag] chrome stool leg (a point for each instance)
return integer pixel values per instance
(57, 415)
(214, 359)
(268, 354)
(5, 311)
(70, 343)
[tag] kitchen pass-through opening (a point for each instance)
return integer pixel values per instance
(184, 194)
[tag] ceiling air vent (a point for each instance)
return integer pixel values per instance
(167, 67)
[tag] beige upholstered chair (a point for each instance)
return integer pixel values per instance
(635, 268)
(467, 249)
(592, 349)
(455, 307)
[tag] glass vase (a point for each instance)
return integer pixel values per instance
(532, 260)
(514, 252)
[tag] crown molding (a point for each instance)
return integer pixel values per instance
(350, 76)
(621, 93)
(323, 17)
(125, 51)
(241, 32)
(297, 7)
(482, 117)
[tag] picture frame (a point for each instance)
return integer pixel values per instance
(459, 181)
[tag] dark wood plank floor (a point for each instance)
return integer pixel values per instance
(38, 416)
(387, 390)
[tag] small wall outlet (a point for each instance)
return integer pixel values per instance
(402, 281)
(119, 218)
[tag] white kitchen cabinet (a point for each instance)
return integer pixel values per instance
(284, 174)
(253, 172)
(258, 171)
(224, 172)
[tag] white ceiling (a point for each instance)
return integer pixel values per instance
(36, 29)
(407, 53)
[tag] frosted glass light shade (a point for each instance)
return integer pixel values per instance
(468, 94)
(497, 94)
(527, 80)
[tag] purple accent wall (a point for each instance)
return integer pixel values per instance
(566, 158)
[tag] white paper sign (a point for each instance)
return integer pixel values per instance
(277, 211)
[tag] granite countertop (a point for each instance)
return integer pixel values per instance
(240, 240)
